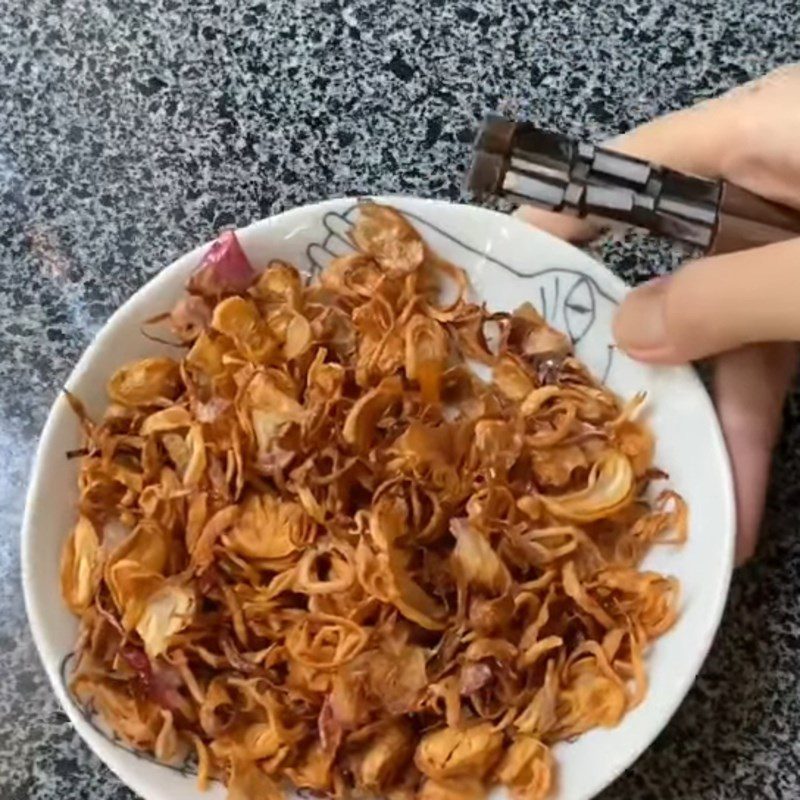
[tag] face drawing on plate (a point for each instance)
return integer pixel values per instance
(567, 300)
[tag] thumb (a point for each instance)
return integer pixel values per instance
(713, 305)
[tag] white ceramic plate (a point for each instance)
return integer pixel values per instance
(508, 263)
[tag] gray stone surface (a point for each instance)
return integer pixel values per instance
(132, 130)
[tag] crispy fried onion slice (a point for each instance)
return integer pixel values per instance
(610, 487)
(81, 566)
(458, 752)
(325, 642)
(320, 550)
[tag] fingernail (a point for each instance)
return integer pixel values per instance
(640, 324)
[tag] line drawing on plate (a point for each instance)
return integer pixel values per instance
(90, 717)
(568, 299)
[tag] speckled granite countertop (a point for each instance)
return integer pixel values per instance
(131, 130)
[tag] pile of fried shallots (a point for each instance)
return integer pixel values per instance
(316, 549)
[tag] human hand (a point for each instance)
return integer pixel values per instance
(743, 308)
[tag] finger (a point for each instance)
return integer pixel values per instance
(571, 229)
(695, 140)
(750, 386)
(713, 305)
